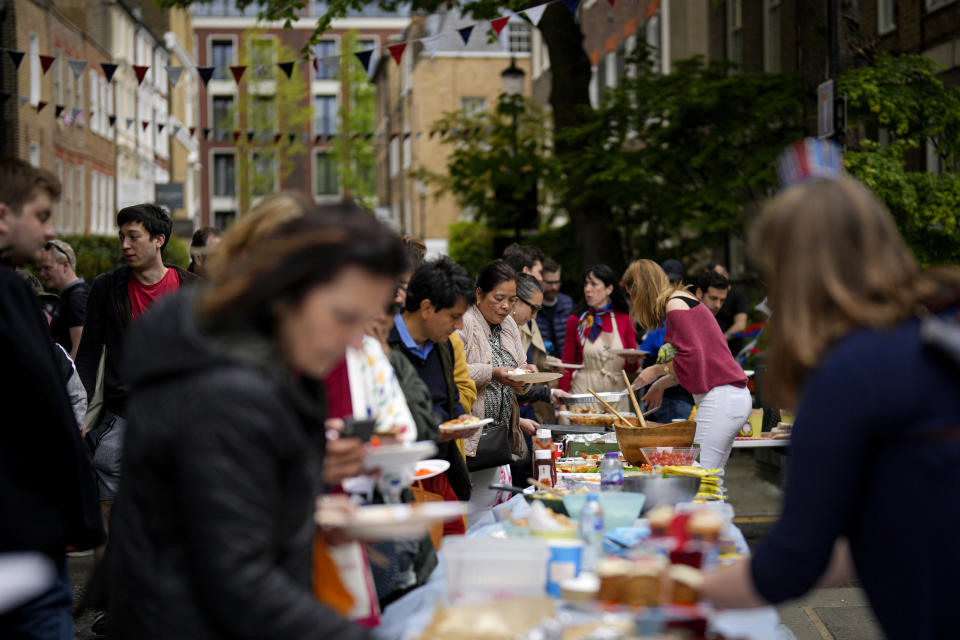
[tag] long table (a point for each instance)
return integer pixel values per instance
(744, 443)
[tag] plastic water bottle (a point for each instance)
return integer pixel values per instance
(591, 531)
(611, 472)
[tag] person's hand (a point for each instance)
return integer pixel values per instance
(653, 398)
(336, 506)
(456, 435)
(499, 374)
(529, 426)
(647, 376)
(343, 457)
(558, 395)
(532, 368)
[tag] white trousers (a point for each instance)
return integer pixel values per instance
(721, 412)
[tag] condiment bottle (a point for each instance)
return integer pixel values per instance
(546, 470)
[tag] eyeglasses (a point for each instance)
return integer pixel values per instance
(536, 308)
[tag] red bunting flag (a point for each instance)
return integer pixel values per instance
(237, 71)
(236, 136)
(145, 124)
(276, 138)
(396, 50)
(193, 130)
(318, 139)
(46, 61)
(40, 106)
(141, 71)
(499, 24)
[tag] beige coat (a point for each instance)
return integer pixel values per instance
(476, 342)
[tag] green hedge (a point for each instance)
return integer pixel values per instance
(99, 254)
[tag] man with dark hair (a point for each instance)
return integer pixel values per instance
(556, 308)
(117, 298)
(732, 316)
(203, 242)
(438, 295)
(525, 258)
(712, 290)
(57, 268)
(48, 494)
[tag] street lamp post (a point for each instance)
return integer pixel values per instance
(513, 79)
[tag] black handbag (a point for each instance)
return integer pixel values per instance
(493, 450)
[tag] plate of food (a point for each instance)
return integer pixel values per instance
(630, 352)
(390, 457)
(533, 377)
(430, 468)
(560, 364)
(375, 522)
(466, 422)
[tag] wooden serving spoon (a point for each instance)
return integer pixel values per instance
(633, 399)
(609, 408)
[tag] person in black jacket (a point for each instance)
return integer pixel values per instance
(48, 494)
(116, 299)
(225, 448)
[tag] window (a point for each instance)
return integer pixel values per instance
(473, 106)
(394, 157)
(104, 204)
(263, 167)
(222, 113)
(263, 113)
(886, 16)
(601, 77)
(735, 31)
(81, 210)
(94, 101)
(224, 174)
(936, 4)
(263, 58)
(222, 58)
(518, 37)
(325, 115)
(94, 200)
(407, 156)
(35, 71)
(326, 182)
(771, 36)
(58, 78)
(327, 69)
(68, 198)
(34, 154)
(653, 39)
(223, 219)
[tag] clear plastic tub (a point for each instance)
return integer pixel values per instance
(486, 568)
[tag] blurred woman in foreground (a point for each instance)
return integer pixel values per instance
(876, 442)
(226, 443)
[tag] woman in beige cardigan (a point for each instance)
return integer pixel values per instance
(493, 348)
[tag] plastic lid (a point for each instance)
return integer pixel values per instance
(544, 433)
(546, 454)
(612, 454)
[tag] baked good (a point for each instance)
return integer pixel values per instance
(686, 582)
(614, 574)
(704, 525)
(660, 519)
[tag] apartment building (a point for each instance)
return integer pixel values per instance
(225, 36)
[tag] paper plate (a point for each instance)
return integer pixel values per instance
(555, 362)
(748, 372)
(630, 352)
(377, 522)
(537, 377)
(394, 456)
(458, 427)
(435, 467)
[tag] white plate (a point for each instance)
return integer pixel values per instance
(630, 352)
(748, 372)
(533, 378)
(377, 522)
(559, 364)
(390, 457)
(435, 467)
(456, 428)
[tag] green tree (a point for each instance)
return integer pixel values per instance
(353, 150)
(267, 99)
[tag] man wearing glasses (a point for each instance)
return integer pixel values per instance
(57, 268)
(556, 308)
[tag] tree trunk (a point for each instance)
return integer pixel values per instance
(570, 99)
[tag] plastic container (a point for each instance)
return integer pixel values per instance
(479, 569)
(611, 472)
(591, 532)
(620, 509)
(565, 559)
(671, 456)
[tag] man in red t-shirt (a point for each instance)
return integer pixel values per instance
(118, 298)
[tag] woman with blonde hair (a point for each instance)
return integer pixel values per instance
(702, 364)
(876, 443)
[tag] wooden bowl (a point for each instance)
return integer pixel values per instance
(633, 438)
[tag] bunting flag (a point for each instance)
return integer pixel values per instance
(24, 100)
(249, 136)
(108, 70)
(206, 132)
(287, 68)
(205, 74)
(367, 136)
(430, 44)
(237, 71)
(535, 13)
(77, 66)
(40, 106)
(500, 23)
(396, 50)
(571, 5)
(57, 110)
(317, 139)
(145, 124)
(141, 71)
(160, 127)
(363, 57)
(112, 120)
(176, 130)
(45, 62)
(465, 33)
(76, 113)
(236, 135)
(192, 130)
(4, 96)
(16, 57)
(611, 2)
(292, 138)
(129, 122)
(432, 133)
(276, 137)
(173, 75)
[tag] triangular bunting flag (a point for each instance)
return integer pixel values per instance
(292, 137)
(363, 57)
(432, 133)
(144, 124)
(392, 136)
(4, 96)
(318, 139)
(173, 75)
(396, 50)
(46, 61)
(276, 137)
(205, 74)
(40, 106)
(108, 70)
(237, 71)
(499, 24)
(611, 3)
(443, 133)
(176, 130)
(160, 127)
(16, 56)
(406, 135)
(206, 132)
(77, 66)
(92, 115)
(572, 5)
(465, 33)
(76, 113)
(236, 135)
(536, 13)
(141, 71)
(112, 120)
(129, 122)
(250, 136)
(286, 67)
(57, 110)
(367, 136)
(192, 131)
(24, 100)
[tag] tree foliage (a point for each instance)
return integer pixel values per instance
(355, 153)
(98, 254)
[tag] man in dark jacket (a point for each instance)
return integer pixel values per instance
(47, 490)
(116, 299)
(556, 308)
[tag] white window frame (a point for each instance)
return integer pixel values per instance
(886, 16)
(94, 200)
(34, 154)
(933, 5)
(94, 101)
(316, 185)
(36, 73)
(80, 224)
(772, 51)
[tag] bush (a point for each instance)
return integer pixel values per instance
(99, 254)
(471, 245)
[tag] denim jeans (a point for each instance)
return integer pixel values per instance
(46, 617)
(671, 409)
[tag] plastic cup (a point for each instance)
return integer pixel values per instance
(564, 563)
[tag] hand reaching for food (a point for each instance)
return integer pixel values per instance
(529, 426)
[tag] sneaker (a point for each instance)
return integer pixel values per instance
(99, 624)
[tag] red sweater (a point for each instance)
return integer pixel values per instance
(703, 359)
(573, 352)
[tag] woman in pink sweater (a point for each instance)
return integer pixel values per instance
(702, 364)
